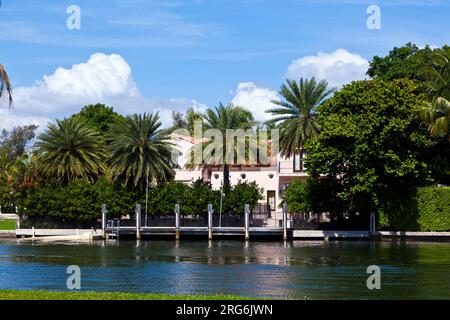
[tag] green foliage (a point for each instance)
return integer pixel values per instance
(79, 201)
(296, 196)
(163, 198)
(427, 210)
(372, 144)
(296, 115)
(140, 151)
(86, 295)
(240, 194)
(223, 118)
(8, 225)
(15, 143)
(70, 149)
(405, 62)
(100, 117)
(194, 199)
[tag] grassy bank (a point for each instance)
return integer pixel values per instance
(7, 224)
(50, 295)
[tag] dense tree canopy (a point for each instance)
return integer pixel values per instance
(99, 116)
(372, 143)
(408, 62)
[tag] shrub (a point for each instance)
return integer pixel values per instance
(427, 210)
(79, 201)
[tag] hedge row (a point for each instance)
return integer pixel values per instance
(80, 201)
(427, 210)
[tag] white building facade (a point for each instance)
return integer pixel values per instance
(273, 178)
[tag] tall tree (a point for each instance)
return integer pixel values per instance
(372, 146)
(437, 84)
(222, 118)
(295, 116)
(140, 151)
(404, 62)
(99, 116)
(15, 143)
(70, 149)
(187, 120)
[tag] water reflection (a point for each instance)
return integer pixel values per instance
(316, 269)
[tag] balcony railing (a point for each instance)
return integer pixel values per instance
(287, 167)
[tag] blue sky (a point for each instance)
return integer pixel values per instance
(195, 52)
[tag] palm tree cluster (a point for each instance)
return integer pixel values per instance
(135, 150)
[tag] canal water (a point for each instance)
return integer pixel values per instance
(299, 269)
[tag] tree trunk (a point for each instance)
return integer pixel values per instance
(226, 179)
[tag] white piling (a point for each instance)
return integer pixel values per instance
(210, 221)
(285, 210)
(137, 211)
(104, 221)
(247, 222)
(177, 221)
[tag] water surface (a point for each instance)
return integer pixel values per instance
(316, 270)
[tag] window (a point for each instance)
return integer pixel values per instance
(297, 162)
(271, 200)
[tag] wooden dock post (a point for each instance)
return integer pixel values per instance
(104, 221)
(247, 222)
(177, 221)
(137, 211)
(210, 221)
(285, 210)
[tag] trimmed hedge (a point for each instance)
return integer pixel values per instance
(427, 210)
(80, 201)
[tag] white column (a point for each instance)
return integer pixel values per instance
(285, 210)
(210, 221)
(177, 221)
(247, 222)
(104, 221)
(138, 221)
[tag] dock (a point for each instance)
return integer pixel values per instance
(199, 232)
(330, 234)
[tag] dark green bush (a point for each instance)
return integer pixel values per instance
(427, 210)
(194, 199)
(79, 201)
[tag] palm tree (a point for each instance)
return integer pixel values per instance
(5, 84)
(222, 118)
(437, 111)
(140, 151)
(296, 115)
(70, 149)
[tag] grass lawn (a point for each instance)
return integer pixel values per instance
(7, 224)
(50, 295)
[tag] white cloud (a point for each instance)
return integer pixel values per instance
(255, 98)
(10, 119)
(103, 78)
(338, 68)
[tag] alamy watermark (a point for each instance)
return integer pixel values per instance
(73, 22)
(74, 280)
(374, 280)
(374, 20)
(232, 147)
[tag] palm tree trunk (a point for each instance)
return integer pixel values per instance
(226, 179)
